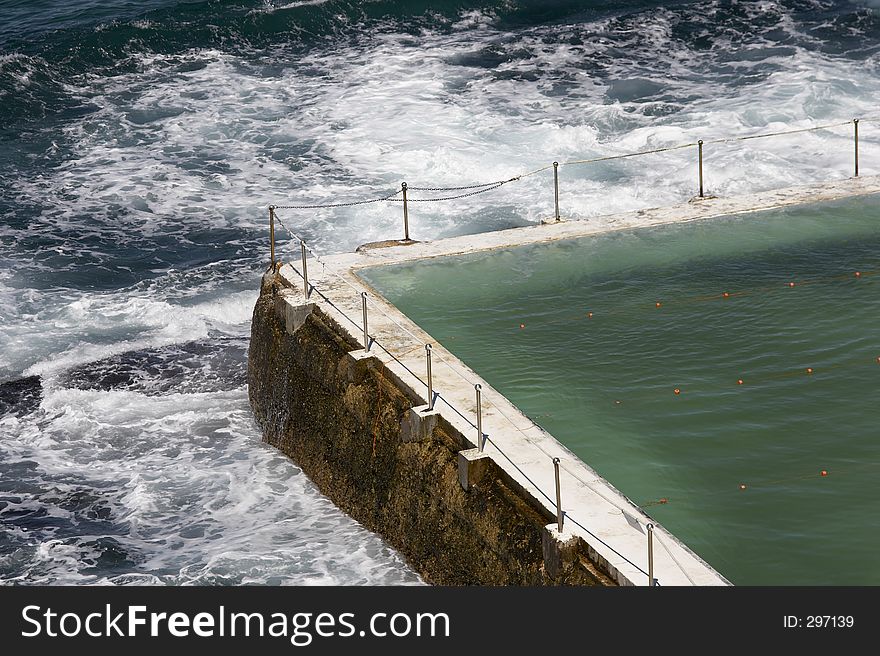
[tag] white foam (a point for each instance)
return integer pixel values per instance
(365, 118)
(201, 500)
(96, 327)
(229, 311)
(80, 327)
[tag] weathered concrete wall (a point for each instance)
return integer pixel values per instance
(345, 421)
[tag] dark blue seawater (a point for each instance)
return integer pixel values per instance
(140, 143)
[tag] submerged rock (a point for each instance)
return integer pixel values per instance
(208, 365)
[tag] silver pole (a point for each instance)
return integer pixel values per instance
(478, 389)
(856, 143)
(366, 330)
(559, 516)
(650, 528)
(430, 381)
(272, 235)
(302, 247)
(405, 213)
(556, 186)
(700, 157)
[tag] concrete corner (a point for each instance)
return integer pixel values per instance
(472, 467)
(560, 549)
(291, 313)
(357, 364)
(360, 355)
(418, 424)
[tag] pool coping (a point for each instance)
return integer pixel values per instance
(607, 520)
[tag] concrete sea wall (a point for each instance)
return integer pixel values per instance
(347, 420)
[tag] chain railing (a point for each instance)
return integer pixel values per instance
(403, 195)
(434, 396)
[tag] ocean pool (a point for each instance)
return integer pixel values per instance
(722, 374)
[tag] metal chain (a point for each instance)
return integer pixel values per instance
(777, 134)
(641, 152)
(435, 200)
(474, 186)
(350, 204)
(492, 186)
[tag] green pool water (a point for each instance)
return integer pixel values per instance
(604, 385)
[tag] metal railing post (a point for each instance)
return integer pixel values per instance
(650, 528)
(559, 515)
(478, 389)
(856, 143)
(556, 187)
(366, 329)
(272, 235)
(430, 380)
(700, 161)
(405, 213)
(305, 268)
